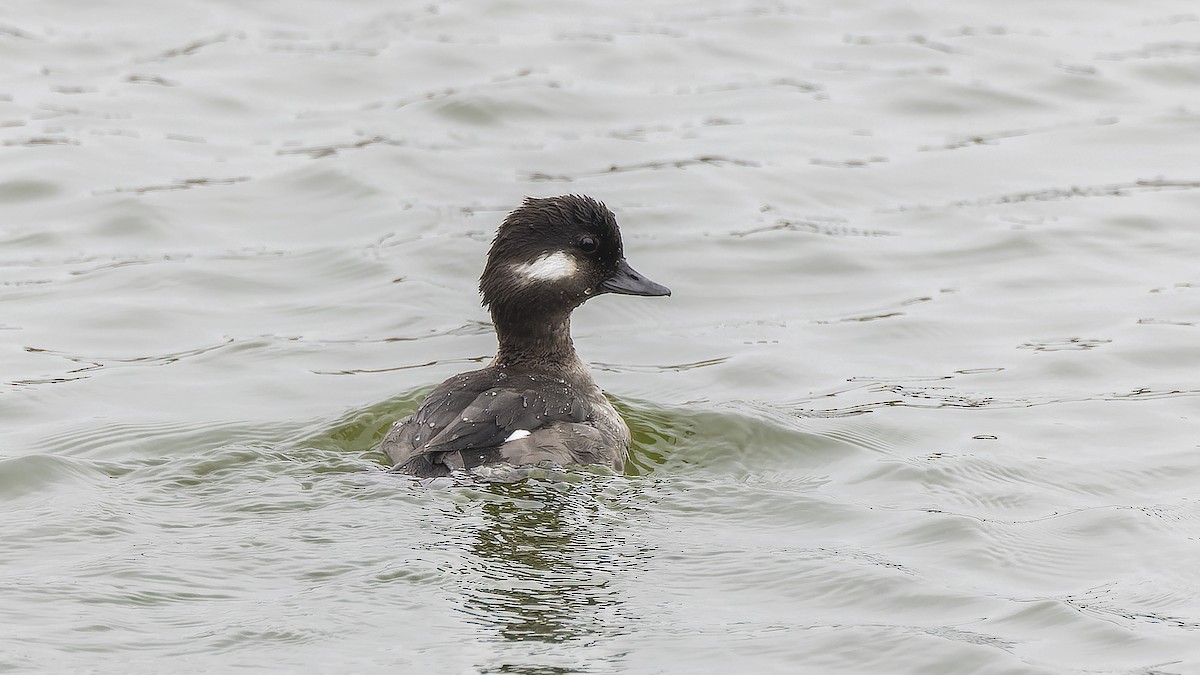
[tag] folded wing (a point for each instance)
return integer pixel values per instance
(474, 416)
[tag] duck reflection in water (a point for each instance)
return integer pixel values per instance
(545, 559)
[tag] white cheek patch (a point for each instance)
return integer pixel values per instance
(517, 435)
(551, 267)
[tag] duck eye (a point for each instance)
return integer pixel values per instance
(588, 244)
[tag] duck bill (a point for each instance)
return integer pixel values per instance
(626, 281)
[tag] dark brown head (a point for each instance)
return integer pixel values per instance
(550, 255)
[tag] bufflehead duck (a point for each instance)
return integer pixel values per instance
(536, 401)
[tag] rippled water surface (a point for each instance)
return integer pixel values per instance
(925, 399)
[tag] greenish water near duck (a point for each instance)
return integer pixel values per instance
(924, 399)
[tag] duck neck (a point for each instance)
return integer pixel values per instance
(543, 341)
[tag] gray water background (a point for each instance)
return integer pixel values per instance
(925, 399)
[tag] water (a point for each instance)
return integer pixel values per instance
(924, 400)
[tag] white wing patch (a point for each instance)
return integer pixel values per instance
(517, 435)
(550, 267)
